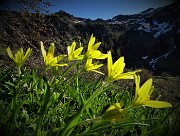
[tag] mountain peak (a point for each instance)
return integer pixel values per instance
(147, 11)
(63, 13)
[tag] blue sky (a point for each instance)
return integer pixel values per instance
(105, 9)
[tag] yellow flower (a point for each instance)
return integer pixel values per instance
(114, 113)
(49, 59)
(74, 54)
(115, 71)
(19, 57)
(142, 95)
(92, 52)
(91, 67)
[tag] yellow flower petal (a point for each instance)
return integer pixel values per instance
(114, 113)
(10, 54)
(128, 75)
(80, 57)
(151, 90)
(92, 51)
(74, 54)
(93, 54)
(96, 46)
(110, 62)
(157, 104)
(22, 53)
(102, 56)
(118, 66)
(73, 46)
(69, 50)
(145, 88)
(89, 66)
(95, 67)
(43, 50)
(91, 42)
(77, 52)
(18, 56)
(97, 72)
(137, 82)
(51, 50)
(115, 71)
(28, 52)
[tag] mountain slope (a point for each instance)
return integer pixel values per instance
(153, 38)
(150, 39)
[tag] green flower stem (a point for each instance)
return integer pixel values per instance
(19, 71)
(67, 84)
(77, 78)
(13, 111)
(53, 80)
(70, 126)
(68, 81)
(89, 120)
(38, 128)
(82, 122)
(75, 120)
(14, 106)
(69, 69)
(95, 94)
(42, 110)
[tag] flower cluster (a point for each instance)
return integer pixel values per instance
(115, 72)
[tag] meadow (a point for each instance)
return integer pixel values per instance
(72, 95)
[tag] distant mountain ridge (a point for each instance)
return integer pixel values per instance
(149, 39)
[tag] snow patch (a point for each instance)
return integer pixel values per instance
(130, 20)
(155, 22)
(145, 57)
(153, 61)
(116, 22)
(77, 21)
(145, 27)
(157, 28)
(162, 29)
